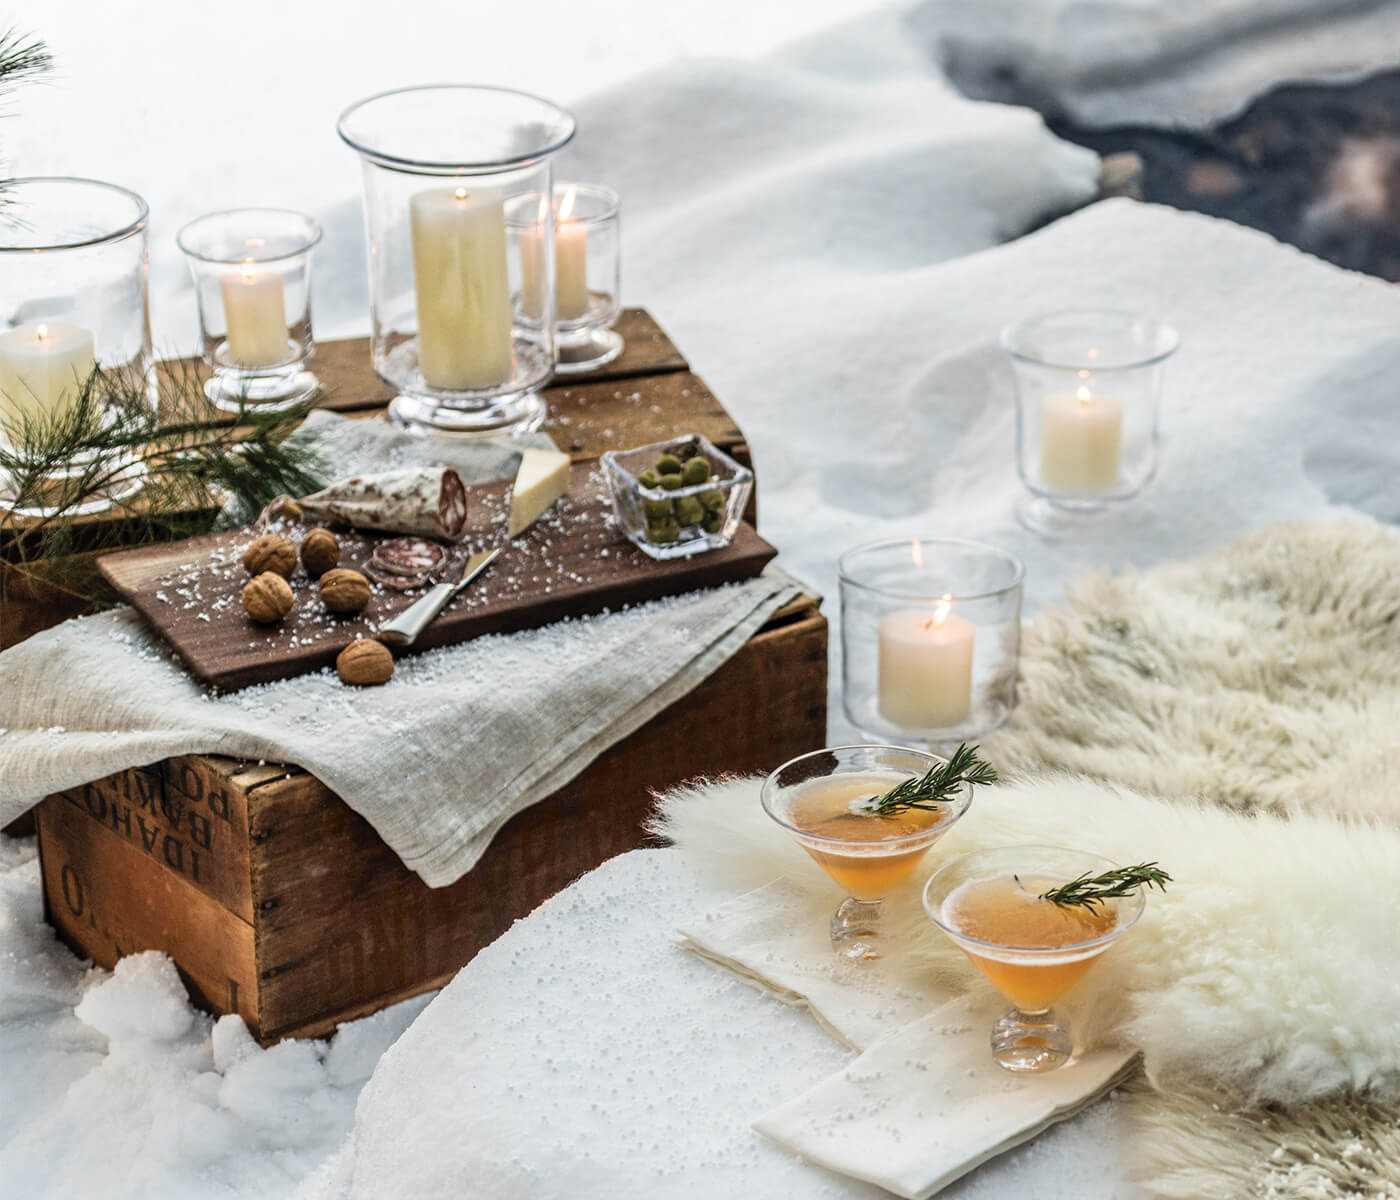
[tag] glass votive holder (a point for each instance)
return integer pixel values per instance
(1088, 386)
(930, 639)
(455, 181)
(587, 272)
(252, 279)
(72, 301)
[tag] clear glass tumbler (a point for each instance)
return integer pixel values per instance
(73, 271)
(1089, 387)
(930, 639)
(456, 179)
(252, 278)
(587, 273)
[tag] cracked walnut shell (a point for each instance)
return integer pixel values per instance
(344, 590)
(267, 598)
(270, 553)
(364, 663)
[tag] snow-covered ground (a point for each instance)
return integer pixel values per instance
(791, 220)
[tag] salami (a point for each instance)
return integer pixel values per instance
(400, 583)
(407, 556)
(427, 501)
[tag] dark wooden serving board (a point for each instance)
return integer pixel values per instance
(572, 562)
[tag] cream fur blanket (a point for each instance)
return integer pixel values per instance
(1245, 709)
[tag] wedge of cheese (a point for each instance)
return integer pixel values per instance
(542, 478)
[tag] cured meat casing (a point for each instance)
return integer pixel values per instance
(427, 501)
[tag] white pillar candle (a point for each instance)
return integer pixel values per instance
(43, 366)
(571, 295)
(926, 667)
(1081, 439)
(462, 283)
(255, 313)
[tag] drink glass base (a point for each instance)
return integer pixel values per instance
(517, 413)
(855, 929)
(124, 478)
(1055, 520)
(237, 391)
(587, 350)
(1027, 1043)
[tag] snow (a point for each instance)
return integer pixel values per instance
(113, 1085)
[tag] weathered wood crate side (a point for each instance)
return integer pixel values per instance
(278, 902)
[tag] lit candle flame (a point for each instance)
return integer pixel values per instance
(460, 193)
(1084, 396)
(42, 332)
(940, 612)
(248, 273)
(566, 206)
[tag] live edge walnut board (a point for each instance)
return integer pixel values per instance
(574, 561)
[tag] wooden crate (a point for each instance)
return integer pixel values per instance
(279, 903)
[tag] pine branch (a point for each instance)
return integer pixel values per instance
(1089, 891)
(61, 461)
(938, 786)
(22, 59)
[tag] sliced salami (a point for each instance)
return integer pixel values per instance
(400, 583)
(407, 556)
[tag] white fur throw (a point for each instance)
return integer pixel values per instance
(1255, 697)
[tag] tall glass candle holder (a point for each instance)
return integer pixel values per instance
(72, 299)
(455, 180)
(930, 639)
(587, 257)
(252, 279)
(1089, 388)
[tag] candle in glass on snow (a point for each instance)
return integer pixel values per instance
(461, 281)
(255, 314)
(571, 296)
(926, 667)
(1081, 438)
(43, 367)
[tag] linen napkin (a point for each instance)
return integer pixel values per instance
(928, 1104)
(438, 759)
(924, 1103)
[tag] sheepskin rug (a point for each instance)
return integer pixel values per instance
(1237, 719)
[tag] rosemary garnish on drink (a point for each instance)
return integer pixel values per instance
(1089, 891)
(938, 786)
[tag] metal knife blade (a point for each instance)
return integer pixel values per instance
(404, 629)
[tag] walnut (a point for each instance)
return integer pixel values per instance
(344, 590)
(365, 662)
(267, 598)
(320, 551)
(270, 553)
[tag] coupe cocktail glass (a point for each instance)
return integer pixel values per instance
(817, 798)
(1032, 950)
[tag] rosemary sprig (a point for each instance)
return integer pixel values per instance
(937, 786)
(1090, 891)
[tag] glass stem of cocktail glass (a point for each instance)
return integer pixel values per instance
(855, 926)
(1031, 1041)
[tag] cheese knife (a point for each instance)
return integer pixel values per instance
(404, 629)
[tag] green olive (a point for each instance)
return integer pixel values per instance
(689, 510)
(713, 522)
(697, 470)
(668, 464)
(649, 479)
(659, 510)
(663, 533)
(672, 481)
(712, 499)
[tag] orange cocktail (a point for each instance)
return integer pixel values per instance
(1031, 949)
(823, 800)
